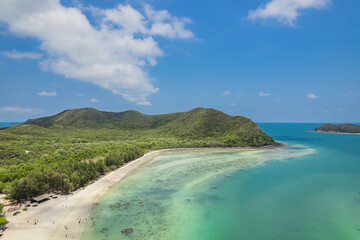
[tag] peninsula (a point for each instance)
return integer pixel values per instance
(66, 151)
(339, 128)
(70, 150)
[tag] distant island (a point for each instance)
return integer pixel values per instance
(339, 128)
(66, 151)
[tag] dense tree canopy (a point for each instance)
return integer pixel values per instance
(340, 128)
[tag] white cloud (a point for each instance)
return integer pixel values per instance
(233, 104)
(79, 95)
(20, 55)
(226, 93)
(286, 11)
(113, 54)
(144, 103)
(47, 94)
(312, 96)
(33, 111)
(93, 100)
(277, 100)
(262, 94)
(127, 18)
(166, 25)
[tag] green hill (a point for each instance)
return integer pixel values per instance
(198, 123)
(92, 118)
(338, 128)
(68, 150)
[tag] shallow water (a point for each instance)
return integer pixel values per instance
(309, 190)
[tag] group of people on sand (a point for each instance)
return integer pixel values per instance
(67, 227)
(66, 235)
(34, 222)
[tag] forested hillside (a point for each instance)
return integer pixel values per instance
(340, 128)
(68, 150)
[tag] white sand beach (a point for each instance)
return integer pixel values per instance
(63, 217)
(52, 216)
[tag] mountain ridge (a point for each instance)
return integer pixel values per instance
(197, 123)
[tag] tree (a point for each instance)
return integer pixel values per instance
(3, 223)
(3, 220)
(1, 210)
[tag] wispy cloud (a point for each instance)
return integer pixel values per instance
(226, 93)
(20, 55)
(285, 11)
(166, 25)
(348, 94)
(113, 51)
(233, 104)
(47, 94)
(93, 100)
(312, 96)
(145, 103)
(33, 111)
(262, 94)
(79, 95)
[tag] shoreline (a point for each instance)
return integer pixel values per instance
(332, 132)
(63, 217)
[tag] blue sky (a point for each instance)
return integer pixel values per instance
(272, 61)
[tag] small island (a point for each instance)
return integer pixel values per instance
(339, 128)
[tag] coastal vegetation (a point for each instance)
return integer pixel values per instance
(68, 150)
(3, 220)
(338, 128)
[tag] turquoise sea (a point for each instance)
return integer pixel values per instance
(309, 191)
(8, 124)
